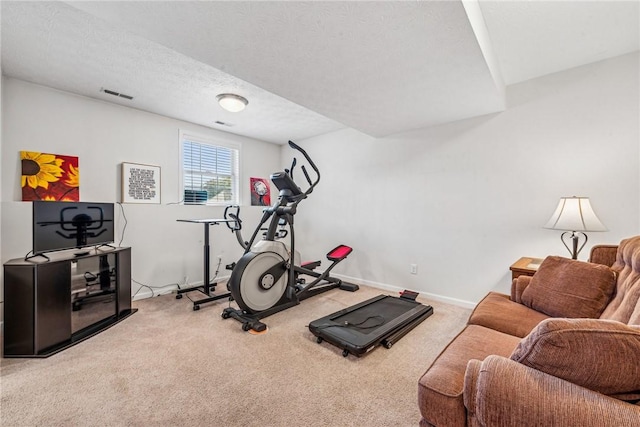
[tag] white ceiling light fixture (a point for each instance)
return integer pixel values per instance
(231, 102)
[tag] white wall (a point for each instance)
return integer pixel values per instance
(1, 109)
(462, 201)
(103, 135)
(465, 200)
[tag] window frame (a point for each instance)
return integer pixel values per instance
(188, 136)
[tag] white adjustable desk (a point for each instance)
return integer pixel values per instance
(207, 286)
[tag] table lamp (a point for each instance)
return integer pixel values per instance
(574, 215)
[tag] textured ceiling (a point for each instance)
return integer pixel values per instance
(374, 66)
(312, 67)
(56, 45)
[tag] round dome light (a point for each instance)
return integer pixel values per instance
(231, 102)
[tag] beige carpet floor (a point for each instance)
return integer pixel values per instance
(168, 365)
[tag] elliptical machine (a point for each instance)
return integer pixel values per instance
(266, 279)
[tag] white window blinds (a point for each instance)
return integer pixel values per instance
(210, 172)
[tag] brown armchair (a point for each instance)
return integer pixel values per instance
(562, 349)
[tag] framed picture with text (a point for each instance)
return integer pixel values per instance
(140, 183)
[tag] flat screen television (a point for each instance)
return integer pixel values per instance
(68, 225)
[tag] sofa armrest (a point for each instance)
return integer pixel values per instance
(603, 254)
(518, 286)
(500, 391)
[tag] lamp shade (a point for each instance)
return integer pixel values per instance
(575, 214)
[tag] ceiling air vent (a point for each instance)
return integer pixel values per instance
(114, 93)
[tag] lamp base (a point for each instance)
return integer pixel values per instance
(574, 236)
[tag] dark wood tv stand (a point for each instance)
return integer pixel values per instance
(52, 305)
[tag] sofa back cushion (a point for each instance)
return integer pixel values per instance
(624, 307)
(564, 287)
(601, 355)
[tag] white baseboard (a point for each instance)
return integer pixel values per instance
(146, 292)
(391, 288)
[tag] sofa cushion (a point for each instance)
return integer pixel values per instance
(564, 287)
(501, 392)
(601, 355)
(440, 388)
(625, 305)
(497, 311)
(603, 254)
(518, 285)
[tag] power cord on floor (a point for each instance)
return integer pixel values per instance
(357, 325)
(151, 288)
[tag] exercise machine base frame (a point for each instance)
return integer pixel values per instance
(292, 296)
(252, 320)
(406, 312)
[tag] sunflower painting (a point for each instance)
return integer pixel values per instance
(49, 177)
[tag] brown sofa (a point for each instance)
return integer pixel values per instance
(562, 350)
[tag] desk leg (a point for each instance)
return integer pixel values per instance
(207, 286)
(207, 249)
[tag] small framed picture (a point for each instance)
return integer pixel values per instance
(260, 192)
(140, 183)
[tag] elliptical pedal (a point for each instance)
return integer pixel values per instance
(339, 253)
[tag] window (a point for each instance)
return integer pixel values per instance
(210, 171)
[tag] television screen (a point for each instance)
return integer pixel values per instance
(68, 225)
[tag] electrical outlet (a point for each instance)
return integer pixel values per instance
(413, 268)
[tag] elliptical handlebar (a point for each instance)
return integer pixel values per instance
(284, 207)
(235, 216)
(233, 212)
(312, 184)
(290, 170)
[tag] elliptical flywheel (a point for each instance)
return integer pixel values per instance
(258, 281)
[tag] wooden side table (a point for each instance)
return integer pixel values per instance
(525, 266)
